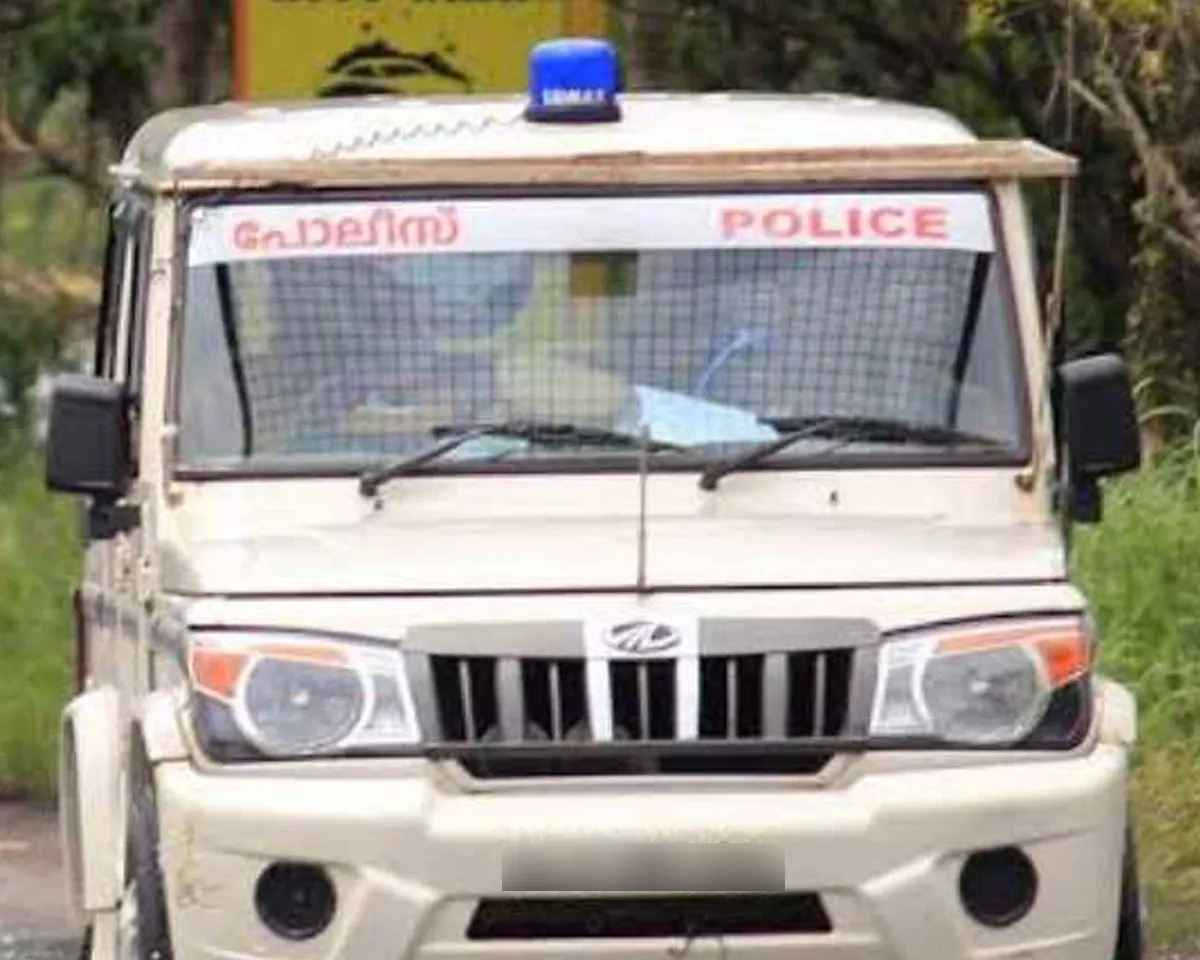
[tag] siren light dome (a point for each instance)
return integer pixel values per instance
(574, 80)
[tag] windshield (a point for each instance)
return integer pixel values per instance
(346, 332)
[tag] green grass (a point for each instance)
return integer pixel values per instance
(49, 223)
(1141, 571)
(39, 563)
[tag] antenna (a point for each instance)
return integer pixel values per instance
(643, 483)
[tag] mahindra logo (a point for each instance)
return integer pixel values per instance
(642, 637)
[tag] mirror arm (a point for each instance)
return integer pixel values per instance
(107, 519)
(1086, 500)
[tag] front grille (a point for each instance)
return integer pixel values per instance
(682, 918)
(741, 699)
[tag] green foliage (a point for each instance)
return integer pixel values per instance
(1133, 267)
(1141, 571)
(50, 223)
(25, 345)
(99, 47)
(39, 564)
(48, 289)
(1165, 785)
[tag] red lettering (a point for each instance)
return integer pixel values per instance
(274, 240)
(877, 222)
(854, 222)
(386, 220)
(422, 232)
(782, 223)
(325, 232)
(245, 235)
(349, 232)
(447, 231)
(930, 223)
(734, 221)
(817, 227)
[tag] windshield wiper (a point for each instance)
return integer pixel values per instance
(550, 433)
(844, 430)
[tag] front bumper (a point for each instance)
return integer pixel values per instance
(412, 855)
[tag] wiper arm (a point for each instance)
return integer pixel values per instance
(844, 430)
(455, 435)
(713, 475)
(370, 482)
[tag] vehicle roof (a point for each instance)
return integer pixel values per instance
(328, 139)
(493, 127)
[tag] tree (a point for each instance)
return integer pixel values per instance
(1141, 76)
(77, 78)
(1113, 81)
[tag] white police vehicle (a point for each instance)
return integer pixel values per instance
(629, 524)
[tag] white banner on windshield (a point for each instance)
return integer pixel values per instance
(942, 221)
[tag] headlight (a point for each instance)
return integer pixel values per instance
(987, 684)
(290, 695)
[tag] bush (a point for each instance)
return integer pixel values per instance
(39, 565)
(1141, 571)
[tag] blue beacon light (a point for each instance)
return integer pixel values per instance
(574, 80)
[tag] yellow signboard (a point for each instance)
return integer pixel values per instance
(287, 49)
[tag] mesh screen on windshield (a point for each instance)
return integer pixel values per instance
(369, 354)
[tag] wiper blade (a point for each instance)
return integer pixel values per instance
(455, 435)
(843, 430)
(553, 433)
(884, 430)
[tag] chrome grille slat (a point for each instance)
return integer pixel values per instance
(818, 712)
(775, 695)
(731, 714)
(556, 703)
(643, 693)
(468, 700)
(511, 699)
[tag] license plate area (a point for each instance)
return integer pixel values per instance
(643, 868)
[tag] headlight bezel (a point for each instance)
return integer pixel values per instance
(1065, 717)
(223, 718)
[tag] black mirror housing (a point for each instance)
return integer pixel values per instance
(88, 445)
(1100, 417)
(1100, 428)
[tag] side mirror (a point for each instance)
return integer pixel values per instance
(1100, 425)
(88, 443)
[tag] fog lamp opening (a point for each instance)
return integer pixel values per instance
(295, 901)
(998, 887)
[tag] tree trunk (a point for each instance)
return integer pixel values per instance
(191, 34)
(649, 24)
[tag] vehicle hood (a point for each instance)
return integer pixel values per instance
(233, 539)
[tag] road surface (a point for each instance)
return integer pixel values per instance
(34, 921)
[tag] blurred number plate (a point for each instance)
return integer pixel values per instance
(643, 868)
